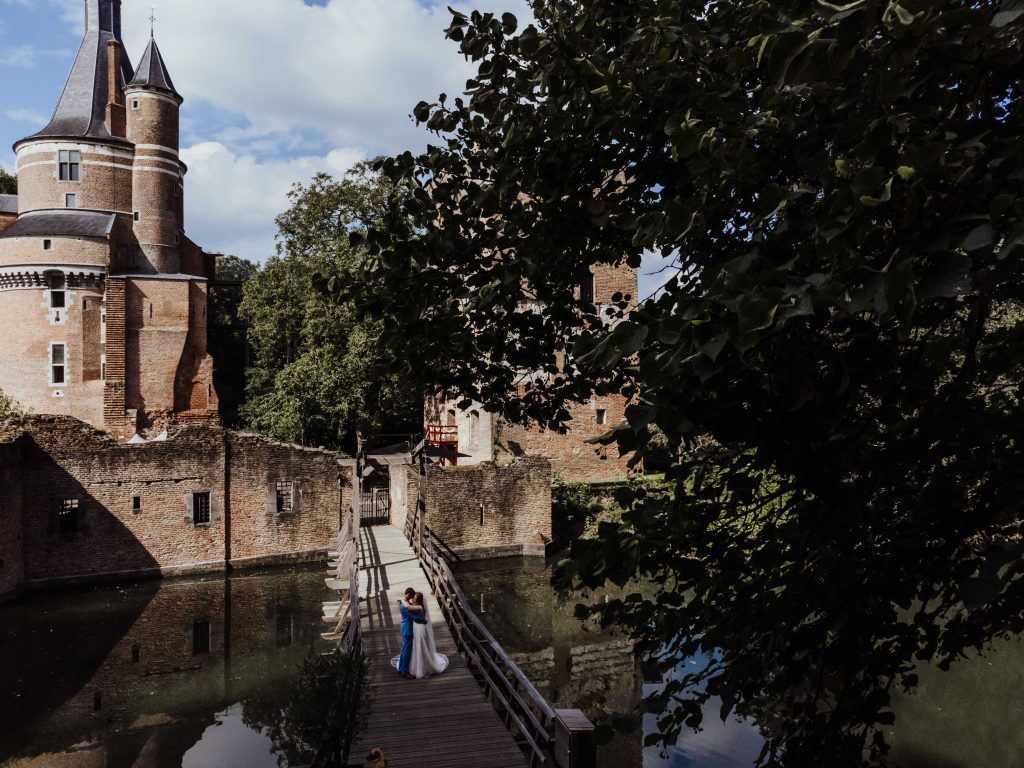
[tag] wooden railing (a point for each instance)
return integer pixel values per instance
(561, 738)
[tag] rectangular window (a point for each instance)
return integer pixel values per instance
(58, 299)
(200, 637)
(137, 215)
(284, 496)
(47, 245)
(136, 504)
(70, 165)
(58, 363)
(70, 201)
(602, 416)
(201, 508)
(67, 516)
(587, 290)
(135, 103)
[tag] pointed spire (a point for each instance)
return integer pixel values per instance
(81, 111)
(152, 72)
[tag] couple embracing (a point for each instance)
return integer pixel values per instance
(419, 657)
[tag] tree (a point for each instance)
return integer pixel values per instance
(8, 183)
(9, 409)
(227, 331)
(314, 376)
(841, 185)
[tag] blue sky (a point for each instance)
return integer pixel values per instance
(275, 91)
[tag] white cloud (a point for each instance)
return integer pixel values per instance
(25, 56)
(26, 116)
(351, 70)
(232, 200)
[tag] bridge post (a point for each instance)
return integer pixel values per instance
(574, 740)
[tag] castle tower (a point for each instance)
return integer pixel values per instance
(102, 297)
(153, 106)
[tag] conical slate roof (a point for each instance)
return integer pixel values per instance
(81, 111)
(152, 72)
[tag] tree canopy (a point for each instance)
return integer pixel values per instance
(314, 374)
(8, 183)
(842, 186)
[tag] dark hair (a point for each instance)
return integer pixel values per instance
(409, 591)
(419, 598)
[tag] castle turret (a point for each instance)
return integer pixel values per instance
(157, 189)
(102, 298)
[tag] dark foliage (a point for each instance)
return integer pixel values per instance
(842, 186)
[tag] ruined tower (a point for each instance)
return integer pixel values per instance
(103, 300)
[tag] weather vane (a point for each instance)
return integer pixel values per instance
(152, 20)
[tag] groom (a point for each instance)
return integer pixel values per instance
(410, 613)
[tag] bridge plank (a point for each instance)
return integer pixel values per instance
(437, 722)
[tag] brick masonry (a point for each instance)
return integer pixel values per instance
(484, 437)
(490, 510)
(136, 503)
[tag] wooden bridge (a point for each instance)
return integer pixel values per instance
(482, 711)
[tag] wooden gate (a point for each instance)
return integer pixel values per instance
(375, 498)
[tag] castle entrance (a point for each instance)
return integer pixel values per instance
(375, 496)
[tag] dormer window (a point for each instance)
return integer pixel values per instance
(47, 245)
(70, 165)
(70, 201)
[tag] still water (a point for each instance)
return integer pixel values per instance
(185, 673)
(196, 673)
(968, 717)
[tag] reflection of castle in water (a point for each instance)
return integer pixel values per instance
(133, 677)
(572, 665)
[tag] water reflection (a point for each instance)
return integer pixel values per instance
(966, 717)
(193, 672)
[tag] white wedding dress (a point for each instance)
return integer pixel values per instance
(426, 661)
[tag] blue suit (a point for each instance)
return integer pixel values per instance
(407, 620)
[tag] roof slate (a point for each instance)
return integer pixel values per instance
(152, 72)
(61, 224)
(8, 203)
(81, 111)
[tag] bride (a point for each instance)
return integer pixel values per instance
(426, 660)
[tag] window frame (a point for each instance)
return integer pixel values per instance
(198, 497)
(71, 200)
(47, 244)
(62, 365)
(284, 491)
(64, 509)
(69, 165)
(602, 417)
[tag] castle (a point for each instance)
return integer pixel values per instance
(103, 299)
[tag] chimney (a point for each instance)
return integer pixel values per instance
(116, 116)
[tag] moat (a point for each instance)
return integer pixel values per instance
(184, 673)
(189, 673)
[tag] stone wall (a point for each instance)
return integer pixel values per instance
(490, 510)
(136, 505)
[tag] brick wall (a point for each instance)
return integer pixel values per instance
(489, 509)
(319, 490)
(135, 503)
(572, 457)
(11, 550)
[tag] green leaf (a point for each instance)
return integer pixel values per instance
(979, 237)
(906, 172)
(1004, 18)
